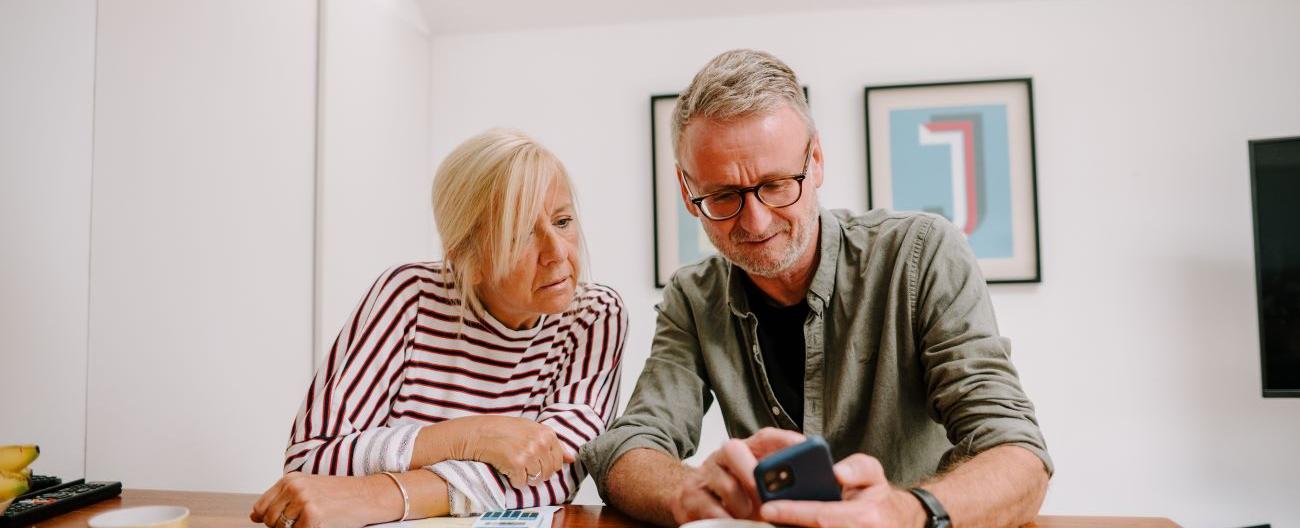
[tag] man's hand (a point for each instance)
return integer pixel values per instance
(723, 487)
(869, 501)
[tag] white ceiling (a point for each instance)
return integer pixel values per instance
(477, 16)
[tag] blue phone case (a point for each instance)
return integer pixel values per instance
(803, 471)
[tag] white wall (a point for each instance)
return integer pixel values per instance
(1140, 346)
(201, 270)
(210, 228)
(47, 63)
(375, 167)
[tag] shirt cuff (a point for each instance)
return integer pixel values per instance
(600, 455)
(390, 449)
(471, 487)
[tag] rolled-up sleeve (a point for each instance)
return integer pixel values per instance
(973, 387)
(670, 398)
(341, 428)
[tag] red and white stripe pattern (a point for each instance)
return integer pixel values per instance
(407, 359)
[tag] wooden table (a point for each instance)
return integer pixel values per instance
(231, 509)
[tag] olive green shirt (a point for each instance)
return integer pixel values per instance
(903, 357)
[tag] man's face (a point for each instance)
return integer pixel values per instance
(716, 156)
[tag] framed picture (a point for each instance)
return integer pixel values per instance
(963, 150)
(679, 237)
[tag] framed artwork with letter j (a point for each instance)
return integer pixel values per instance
(965, 151)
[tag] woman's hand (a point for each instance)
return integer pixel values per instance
(524, 451)
(319, 501)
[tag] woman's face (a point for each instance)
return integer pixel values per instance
(544, 279)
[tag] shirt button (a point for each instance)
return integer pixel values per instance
(776, 410)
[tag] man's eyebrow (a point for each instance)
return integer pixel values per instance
(710, 189)
(766, 178)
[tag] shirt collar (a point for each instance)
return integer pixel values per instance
(823, 283)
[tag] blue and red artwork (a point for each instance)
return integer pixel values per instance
(955, 162)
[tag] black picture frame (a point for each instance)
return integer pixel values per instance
(1267, 326)
(1015, 98)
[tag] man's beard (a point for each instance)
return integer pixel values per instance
(762, 262)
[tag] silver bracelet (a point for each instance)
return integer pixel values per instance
(406, 499)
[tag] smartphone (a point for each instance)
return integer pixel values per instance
(803, 471)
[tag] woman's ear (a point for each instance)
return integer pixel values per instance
(476, 276)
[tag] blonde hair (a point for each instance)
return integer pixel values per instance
(486, 196)
(738, 84)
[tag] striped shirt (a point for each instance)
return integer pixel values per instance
(407, 358)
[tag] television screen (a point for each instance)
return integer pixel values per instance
(1275, 182)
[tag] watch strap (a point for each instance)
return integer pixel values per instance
(936, 516)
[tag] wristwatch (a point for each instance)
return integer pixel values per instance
(936, 516)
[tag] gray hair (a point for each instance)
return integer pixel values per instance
(738, 84)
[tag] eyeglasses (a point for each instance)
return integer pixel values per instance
(775, 193)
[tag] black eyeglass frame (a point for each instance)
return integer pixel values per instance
(742, 191)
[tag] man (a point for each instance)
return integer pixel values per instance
(874, 331)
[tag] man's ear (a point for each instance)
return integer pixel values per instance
(816, 163)
(686, 197)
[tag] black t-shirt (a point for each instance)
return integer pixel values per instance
(780, 338)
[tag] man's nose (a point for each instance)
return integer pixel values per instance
(755, 217)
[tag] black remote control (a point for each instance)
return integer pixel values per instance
(36, 507)
(36, 483)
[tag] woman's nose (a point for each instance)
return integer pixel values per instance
(552, 248)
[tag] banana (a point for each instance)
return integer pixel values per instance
(14, 458)
(25, 474)
(12, 485)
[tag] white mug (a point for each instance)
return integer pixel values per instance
(143, 517)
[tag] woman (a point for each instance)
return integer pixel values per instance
(469, 384)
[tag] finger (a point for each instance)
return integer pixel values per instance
(259, 508)
(798, 513)
(543, 470)
(860, 471)
(769, 440)
(537, 471)
(548, 461)
(272, 518)
(516, 476)
(527, 467)
(274, 506)
(554, 462)
(733, 495)
(293, 509)
(701, 504)
(556, 456)
(736, 458)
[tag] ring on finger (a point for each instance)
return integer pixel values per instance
(286, 522)
(532, 477)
